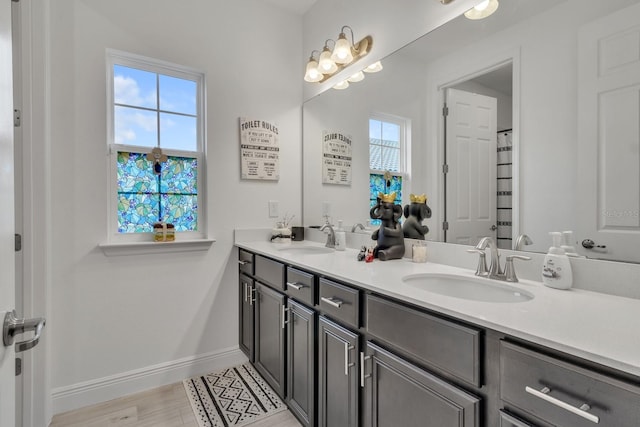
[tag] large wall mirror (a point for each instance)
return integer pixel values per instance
(541, 133)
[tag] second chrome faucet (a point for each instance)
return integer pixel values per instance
(495, 270)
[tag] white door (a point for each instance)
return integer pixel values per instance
(7, 267)
(471, 157)
(609, 136)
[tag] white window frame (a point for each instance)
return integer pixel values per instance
(405, 146)
(115, 57)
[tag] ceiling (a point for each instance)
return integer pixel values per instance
(299, 7)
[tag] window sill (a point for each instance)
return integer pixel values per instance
(146, 248)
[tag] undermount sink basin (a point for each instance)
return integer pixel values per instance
(476, 289)
(306, 250)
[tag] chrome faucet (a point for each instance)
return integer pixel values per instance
(522, 240)
(331, 235)
(495, 271)
(356, 226)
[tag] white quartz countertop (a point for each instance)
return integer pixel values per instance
(598, 327)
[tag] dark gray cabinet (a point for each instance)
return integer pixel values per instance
(270, 336)
(338, 379)
(301, 332)
(565, 394)
(508, 420)
(398, 393)
(247, 296)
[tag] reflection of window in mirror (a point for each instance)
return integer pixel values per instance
(387, 146)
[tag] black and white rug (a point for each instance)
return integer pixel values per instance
(232, 397)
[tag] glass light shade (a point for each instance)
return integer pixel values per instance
(482, 10)
(342, 85)
(342, 51)
(359, 76)
(326, 64)
(312, 75)
(373, 68)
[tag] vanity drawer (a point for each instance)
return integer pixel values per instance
(339, 301)
(554, 390)
(270, 272)
(301, 286)
(508, 420)
(245, 261)
(453, 348)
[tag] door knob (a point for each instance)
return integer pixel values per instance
(14, 326)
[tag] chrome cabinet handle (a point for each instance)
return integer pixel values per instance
(13, 326)
(241, 262)
(284, 316)
(252, 293)
(331, 301)
(245, 291)
(581, 411)
(296, 286)
(347, 365)
(362, 375)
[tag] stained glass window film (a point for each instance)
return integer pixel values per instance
(145, 198)
(377, 185)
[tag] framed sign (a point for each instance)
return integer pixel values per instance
(336, 158)
(259, 150)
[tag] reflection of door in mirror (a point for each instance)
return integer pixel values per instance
(471, 171)
(609, 132)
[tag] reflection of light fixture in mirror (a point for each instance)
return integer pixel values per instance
(373, 68)
(342, 85)
(357, 77)
(482, 9)
(312, 74)
(325, 63)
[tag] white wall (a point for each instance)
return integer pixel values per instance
(122, 323)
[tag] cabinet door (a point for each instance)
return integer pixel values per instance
(270, 337)
(338, 369)
(398, 393)
(301, 362)
(247, 296)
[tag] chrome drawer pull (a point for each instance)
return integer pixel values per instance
(241, 262)
(363, 358)
(296, 286)
(334, 302)
(581, 411)
(347, 365)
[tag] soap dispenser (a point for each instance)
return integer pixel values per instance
(556, 269)
(341, 238)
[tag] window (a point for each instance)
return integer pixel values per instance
(155, 104)
(387, 145)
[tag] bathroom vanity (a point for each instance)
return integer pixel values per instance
(348, 343)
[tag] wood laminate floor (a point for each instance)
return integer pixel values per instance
(166, 406)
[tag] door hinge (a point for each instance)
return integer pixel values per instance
(16, 118)
(445, 225)
(18, 243)
(445, 169)
(18, 366)
(445, 110)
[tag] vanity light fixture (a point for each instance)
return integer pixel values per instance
(357, 77)
(344, 53)
(312, 74)
(342, 85)
(325, 63)
(373, 68)
(482, 9)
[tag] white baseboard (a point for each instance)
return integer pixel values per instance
(78, 395)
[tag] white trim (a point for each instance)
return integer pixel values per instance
(154, 248)
(157, 66)
(103, 389)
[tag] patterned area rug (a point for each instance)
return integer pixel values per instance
(232, 397)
